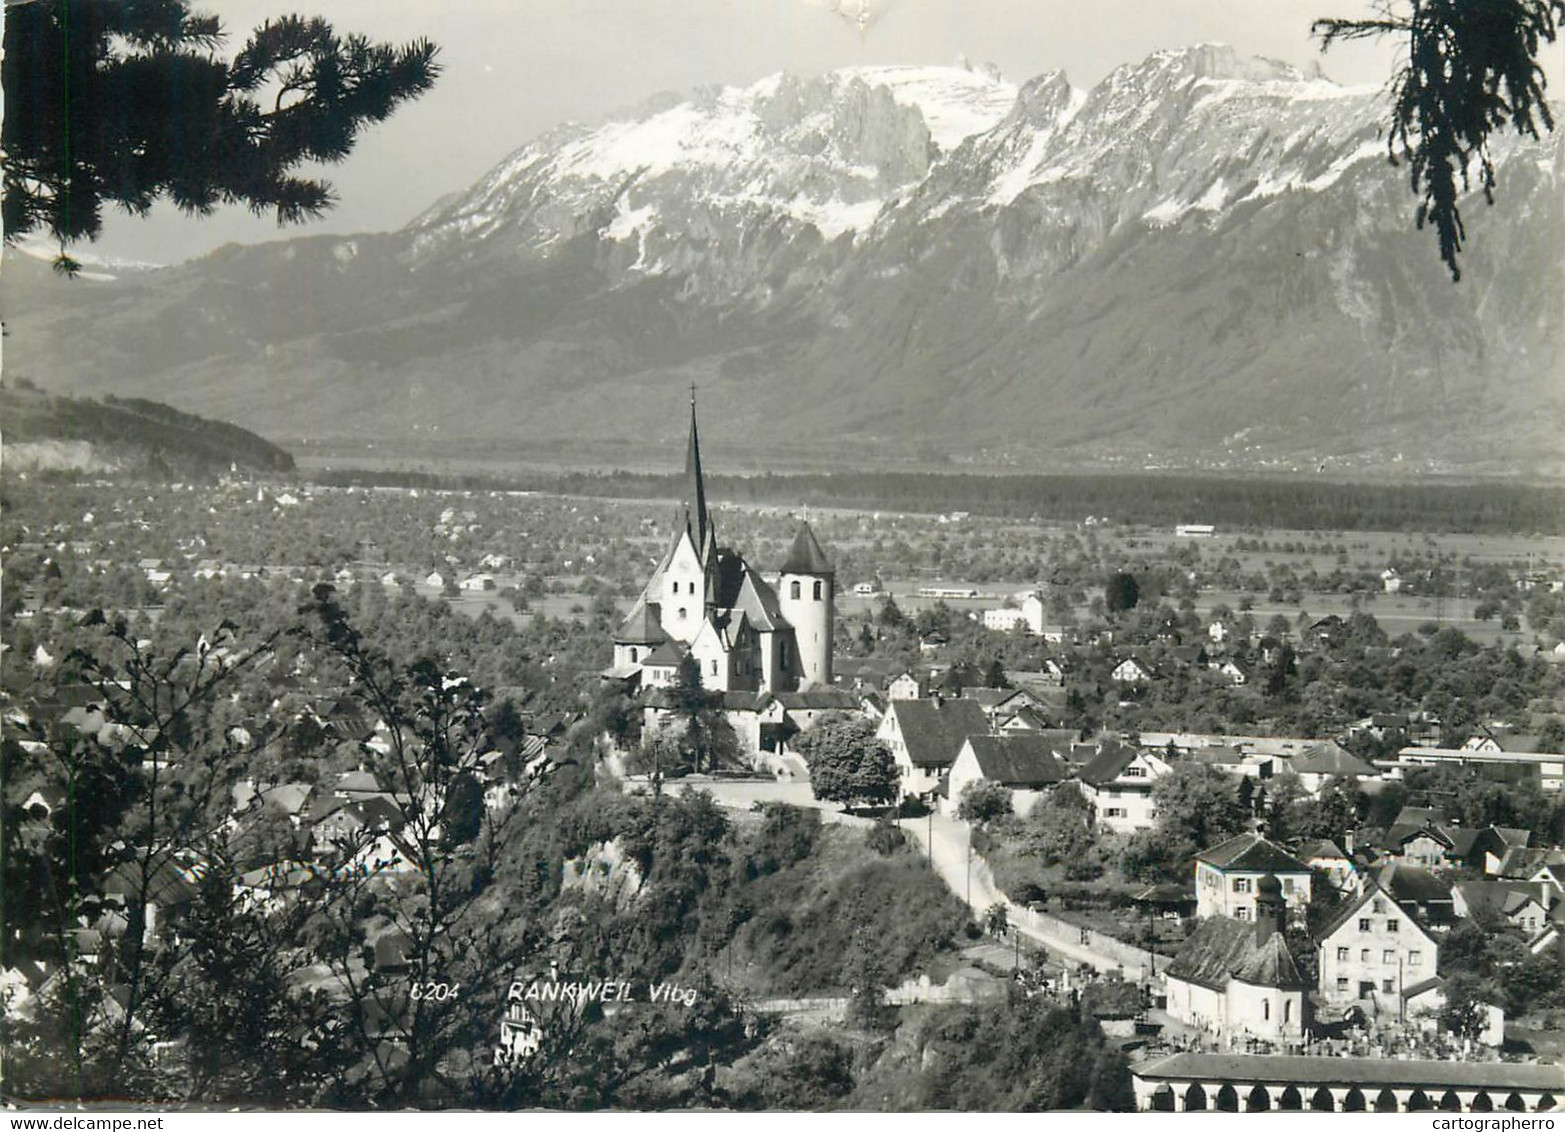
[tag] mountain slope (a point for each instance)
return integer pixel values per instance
(1204, 260)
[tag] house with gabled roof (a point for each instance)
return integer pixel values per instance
(1518, 903)
(1238, 979)
(1227, 877)
(1373, 953)
(1323, 856)
(1423, 893)
(1025, 764)
(1118, 781)
(1131, 671)
(1324, 761)
(926, 736)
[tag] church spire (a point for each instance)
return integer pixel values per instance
(697, 521)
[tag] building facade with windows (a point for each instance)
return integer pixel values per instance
(1373, 954)
(1228, 876)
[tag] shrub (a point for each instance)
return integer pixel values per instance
(885, 839)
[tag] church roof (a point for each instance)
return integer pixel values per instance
(758, 601)
(805, 556)
(1221, 949)
(642, 627)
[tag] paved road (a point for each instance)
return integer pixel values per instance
(969, 877)
(966, 875)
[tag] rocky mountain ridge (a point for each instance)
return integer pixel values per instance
(1203, 261)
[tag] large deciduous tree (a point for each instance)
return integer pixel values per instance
(848, 764)
(1471, 69)
(124, 102)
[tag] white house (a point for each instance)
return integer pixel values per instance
(1130, 671)
(926, 736)
(1372, 953)
(1118, 782)
(1025, 764)
(1228, 876)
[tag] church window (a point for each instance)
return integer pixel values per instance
(793, 590)
(817, 591)
(681, 613)
(1266, 1010)
(1287, 1010)
(633, 655)
(714, 666)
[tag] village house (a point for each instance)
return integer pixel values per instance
(1518, 903)
(1118, 782)
(1227, 876)
(926, 736)
(1130, 671)
(1325, 761)
(1422, 893)
(1372, 953)
(1025, 764)
(1324, 856)
(1418, 837)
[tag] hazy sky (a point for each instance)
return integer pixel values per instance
(513, 68)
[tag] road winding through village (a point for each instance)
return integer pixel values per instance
(945, 842)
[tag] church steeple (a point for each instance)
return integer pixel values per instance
(697, 521)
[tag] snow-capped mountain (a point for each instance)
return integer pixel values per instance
(1203, 259)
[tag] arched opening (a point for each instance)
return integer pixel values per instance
(1354, 1101)
(1419, 1102)
(1163, 1099)
(1287, 1010)
(633, 656)
(1450, 1102)
(1259, 1100)
(1227, 1099)
(817, 591)
(1482, 1103)
(1195, 1099)
(1545, 1103)
(793, 590)
(1514, 1103)
(1266, 1010)
(1322, 1101)
(1386, 1101)
(1290, 1101)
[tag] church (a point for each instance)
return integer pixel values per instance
(707, 602)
